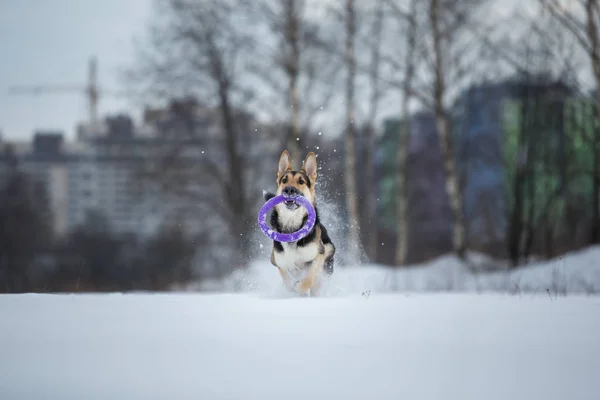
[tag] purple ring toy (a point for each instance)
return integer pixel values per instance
(287, 237)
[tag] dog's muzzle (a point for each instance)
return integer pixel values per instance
(290, 194)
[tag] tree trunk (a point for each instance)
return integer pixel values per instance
(294, 138)
(235, 186)
(292, 33)
(402, 190)
(452, 187)
(592, 33)
(401, 172)
(516, 220)
(371, 196)
(350, 173)
(595, 229)
(444, 130)
(371, 182)
(531, 176)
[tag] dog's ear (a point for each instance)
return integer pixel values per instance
(310, 166)
(285, 164)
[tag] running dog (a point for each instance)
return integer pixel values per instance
(304, 264)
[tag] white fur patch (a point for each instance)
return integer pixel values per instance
(290, 220)
(293, 259)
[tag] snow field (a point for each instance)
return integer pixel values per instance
(257, 346)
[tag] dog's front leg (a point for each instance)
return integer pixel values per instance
(305, 284)
(287, 280)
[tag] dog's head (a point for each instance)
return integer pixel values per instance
(296, 183)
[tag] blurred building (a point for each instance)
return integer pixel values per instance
(138, 177)
(429, 211)
(484, 137)
(489, 122)
(103, 179)
(95, 173)
(111, 175)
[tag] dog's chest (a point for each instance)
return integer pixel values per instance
(290, 220)
(294, 257)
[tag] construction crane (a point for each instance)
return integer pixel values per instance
(91, 90)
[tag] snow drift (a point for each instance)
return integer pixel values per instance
(575, 273)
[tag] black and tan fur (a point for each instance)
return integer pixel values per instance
(303, 264)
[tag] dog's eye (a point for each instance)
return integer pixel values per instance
(284, 180)
(301, 181)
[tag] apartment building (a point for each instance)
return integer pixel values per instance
(104, 177)
(103, 170)
(487, 126)
(96, 174)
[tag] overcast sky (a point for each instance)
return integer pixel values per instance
(50, 42)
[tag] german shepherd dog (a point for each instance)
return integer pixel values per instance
(304, 264)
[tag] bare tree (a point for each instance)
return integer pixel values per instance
(293, 60)
(450, 37)
(409, 19)
(196, 49)
(375, 36)
(290, 61)
(582, 19)
(350, 140)
(444, 126)
(539, 61)
(449, 59)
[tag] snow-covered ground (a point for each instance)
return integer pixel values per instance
(360, 341)
(257, 346)
(575, 273)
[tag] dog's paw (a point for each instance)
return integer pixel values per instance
(302, 288)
